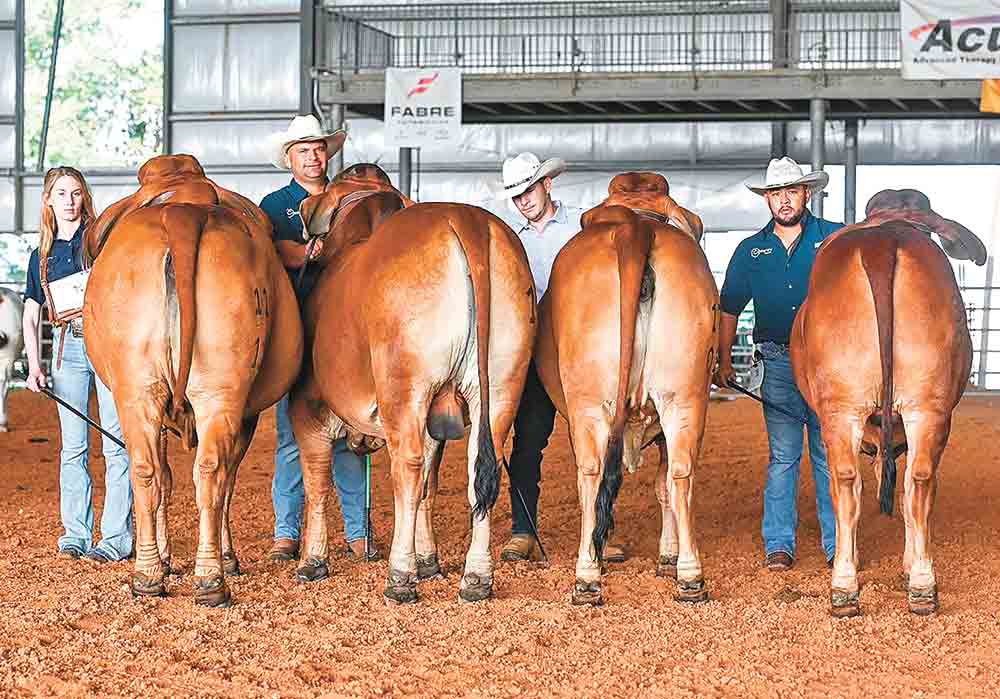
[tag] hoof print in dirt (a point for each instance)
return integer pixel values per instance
(144, 586)
(588, 593)
(923, 601)
(212, 592)
(231, 566)
(312, 570)
(844, 604)
(428, 568)
(666, 567)
(400, 588)
(691, 591)
(475, 588)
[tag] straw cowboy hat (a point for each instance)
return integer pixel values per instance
(785, 172)
(522, 171)
(303, 128)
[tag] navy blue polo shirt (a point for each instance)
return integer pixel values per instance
(775, 279)
(282, 207)
(65, 258)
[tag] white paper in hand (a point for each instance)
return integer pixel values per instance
(67, 294)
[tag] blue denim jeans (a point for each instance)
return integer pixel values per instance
(785, 441)
(72, 382)
(288, 492)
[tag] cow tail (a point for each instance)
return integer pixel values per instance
(879, 260)
(632, 244)
(183, 225)
(476, 246)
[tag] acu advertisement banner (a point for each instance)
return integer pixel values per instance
(423, 107)
(943, 39)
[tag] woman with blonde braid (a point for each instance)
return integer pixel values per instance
(67, 209)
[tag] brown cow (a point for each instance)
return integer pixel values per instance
(882, 343)
(402, 326)
(626, 346)
(192, 323)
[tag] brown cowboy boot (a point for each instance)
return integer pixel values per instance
(284, 550)
(521, 547)
(356, 551)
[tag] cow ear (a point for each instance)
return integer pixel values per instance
(317, 213)
(678, 216)
(958, 241)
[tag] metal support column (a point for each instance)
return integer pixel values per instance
(850, 170)
(19, 117)
(50, 89)
(817, 119)
(307, 56)
(405, 170)
(337, 122)
(168, 73)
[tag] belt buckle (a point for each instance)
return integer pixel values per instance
(76, 327)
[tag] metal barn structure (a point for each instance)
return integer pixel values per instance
(704, 91)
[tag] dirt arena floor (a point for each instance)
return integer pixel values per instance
(70, 628)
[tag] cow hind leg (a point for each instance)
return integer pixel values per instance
(166, 490)
(428, 565)
(590, 442)
(683, 424)
(926, 435)
(843, 442)
(218, 436)
(407, 453)
(230, 563)
(666, 565)
(141, 427)
(315, 440)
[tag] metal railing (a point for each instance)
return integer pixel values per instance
(690, 36)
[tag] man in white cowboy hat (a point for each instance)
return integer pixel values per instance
(772, 268)
(548, 225)
(305, 149)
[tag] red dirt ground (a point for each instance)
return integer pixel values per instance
(70, 628)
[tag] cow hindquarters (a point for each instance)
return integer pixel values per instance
(926, 436)
(682, 418)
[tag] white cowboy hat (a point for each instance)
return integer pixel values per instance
(785, 172)
(522, 171)
(302, 128)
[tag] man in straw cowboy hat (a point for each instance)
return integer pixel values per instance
(305, 149)
(527, 185)
(772, 268)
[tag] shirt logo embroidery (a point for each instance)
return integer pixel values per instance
(292, 213)
(818, 244)
(757, 252)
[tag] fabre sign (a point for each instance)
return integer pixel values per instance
(423, 107)
(950, 39)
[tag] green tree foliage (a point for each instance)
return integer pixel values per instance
(108, 101)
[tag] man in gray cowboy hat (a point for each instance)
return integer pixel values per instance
(772, 268)
(548, 225)
(305, 149)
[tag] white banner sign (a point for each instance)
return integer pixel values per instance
(958, 39)
(423, 107)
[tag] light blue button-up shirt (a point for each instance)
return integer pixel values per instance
(543, 247)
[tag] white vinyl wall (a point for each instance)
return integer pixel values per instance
(8, 82)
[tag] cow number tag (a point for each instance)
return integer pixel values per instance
(67, 294)
(756, 377)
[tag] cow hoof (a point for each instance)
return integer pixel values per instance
(475, 588)
(231, 565)
(923, 601)
(666, 567)
(428, 568)
(400, 588)
(587, 593)
(691, 591)
(212, 592)
(844, 604)
(145, 586)
(312, 570)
